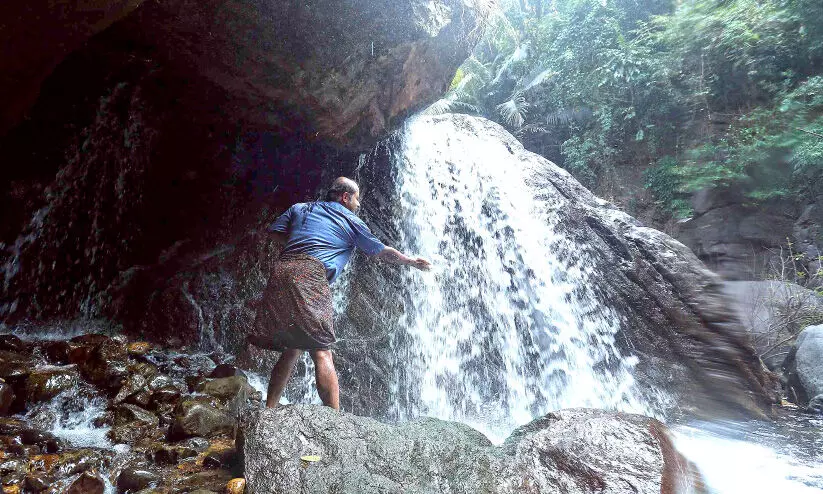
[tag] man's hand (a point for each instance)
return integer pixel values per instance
(421, 264)
(394, 256)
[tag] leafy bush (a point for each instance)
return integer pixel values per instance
(708, 94)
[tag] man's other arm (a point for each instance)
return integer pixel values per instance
(394, 256)
(280, 228)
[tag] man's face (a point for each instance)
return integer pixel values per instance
(351, 201)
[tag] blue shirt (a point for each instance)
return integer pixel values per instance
(327, 231)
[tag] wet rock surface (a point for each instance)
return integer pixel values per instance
(804, 367)
(100, 409)
(573, 451)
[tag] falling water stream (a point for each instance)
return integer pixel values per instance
(505, 328)
(502, 330)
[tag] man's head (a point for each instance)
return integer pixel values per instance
(346, 192)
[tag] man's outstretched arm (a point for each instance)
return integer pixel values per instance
(394, 256)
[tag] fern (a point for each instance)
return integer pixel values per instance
(514, 110)
(452, 102)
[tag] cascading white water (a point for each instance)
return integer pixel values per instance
(501, 330)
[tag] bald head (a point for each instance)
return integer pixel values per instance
(346, 192)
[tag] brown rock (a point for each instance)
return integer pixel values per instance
(141, 398)
(198, 417)
(227, 389)
(167, 395)
(44, 383)
(132, 414)
(45, 440)
(138, 348)
(132, 385)
(226, 370)
(220, 454)
(172, 454)
(208, 481)
(236, 486)
(37, 482)
(86, 483)
(104, 365)
(11, 343)
(133, 479)
(13, 365)
(10, 425)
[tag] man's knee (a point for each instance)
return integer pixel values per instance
(291, 355)
(322, 358)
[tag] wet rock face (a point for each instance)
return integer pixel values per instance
(573, 451)
(167, 133)
(48, 35)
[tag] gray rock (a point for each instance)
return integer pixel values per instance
(571, 451)
(734, 237)
(226, 388)
(815, 405)
(132, 414)
(805, 363)
(196, 417)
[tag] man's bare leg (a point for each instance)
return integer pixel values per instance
(280, 375)
(326, 378)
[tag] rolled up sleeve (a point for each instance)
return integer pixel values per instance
(281, 224)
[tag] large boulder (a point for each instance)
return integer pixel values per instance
(572, 451)
(804, 365)
(196, 417)
(44, 383)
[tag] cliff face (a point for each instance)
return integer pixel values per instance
(743, 241)
(166, 132)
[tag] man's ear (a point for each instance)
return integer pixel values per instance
(346, 197)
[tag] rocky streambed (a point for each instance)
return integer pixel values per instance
(97, 413)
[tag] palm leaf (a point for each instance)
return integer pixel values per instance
(514, 110)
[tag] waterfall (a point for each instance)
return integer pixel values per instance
(508, 325)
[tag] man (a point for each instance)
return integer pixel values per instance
(296, 313)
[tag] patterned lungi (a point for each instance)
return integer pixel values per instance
(296, 310)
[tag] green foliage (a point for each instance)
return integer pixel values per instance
(711, 93)
(666, 182)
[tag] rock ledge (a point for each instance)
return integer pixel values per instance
(571, 451)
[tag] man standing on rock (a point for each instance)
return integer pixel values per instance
(296, 312)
